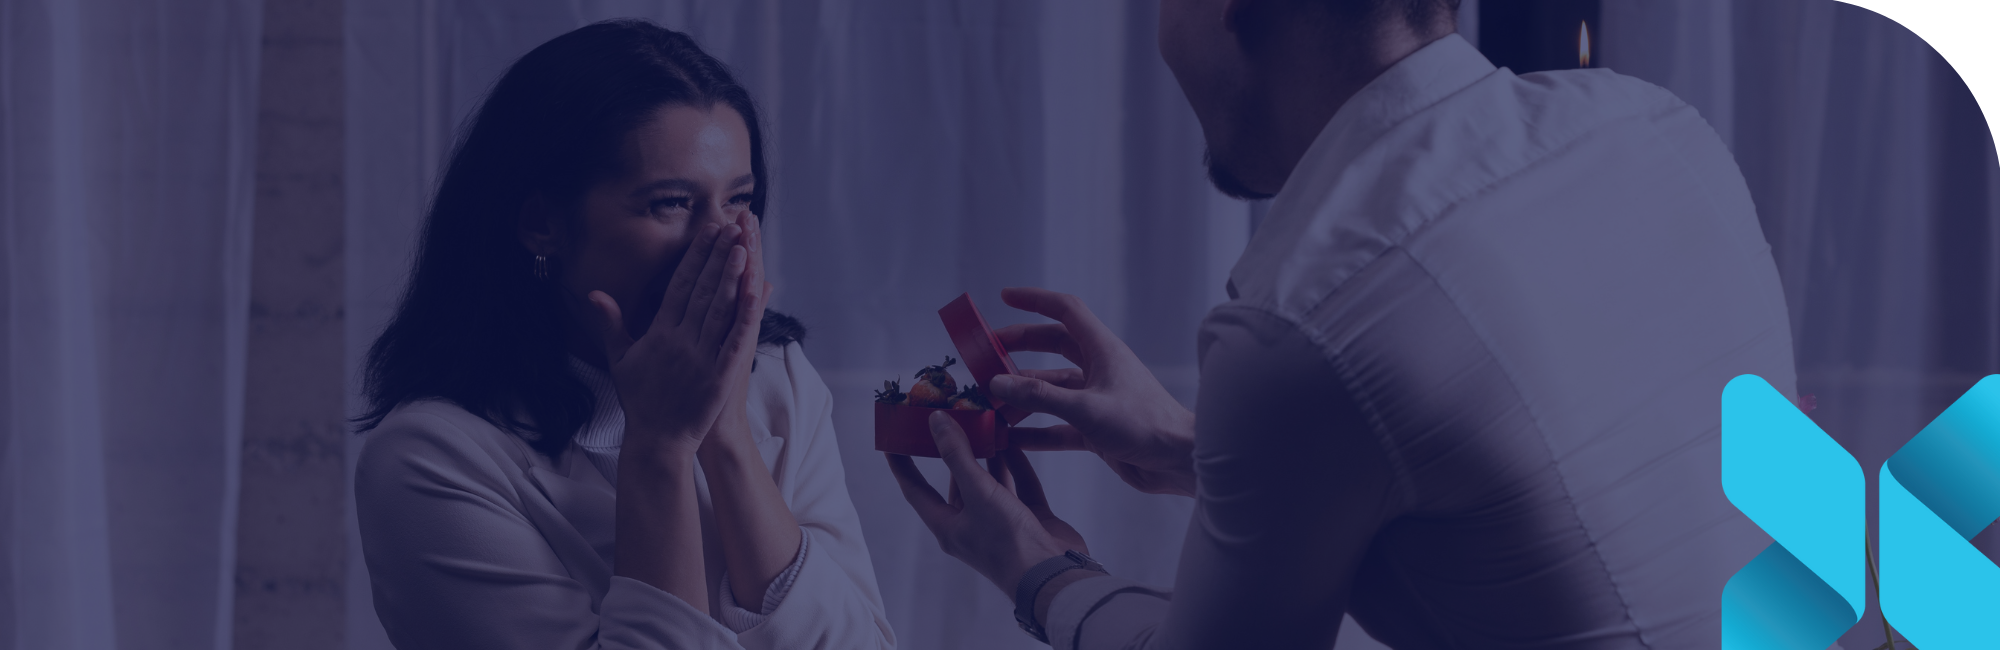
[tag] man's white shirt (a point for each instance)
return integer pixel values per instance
(1467, 387)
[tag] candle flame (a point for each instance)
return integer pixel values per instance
(1583, 45)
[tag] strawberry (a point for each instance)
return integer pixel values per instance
(970, 400)
(891, 393)
(934, 387)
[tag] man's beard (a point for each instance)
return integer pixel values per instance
(1225, 181)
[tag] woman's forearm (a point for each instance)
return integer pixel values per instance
(658, 532)
(758, 533)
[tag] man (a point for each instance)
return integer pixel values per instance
(1466, 388)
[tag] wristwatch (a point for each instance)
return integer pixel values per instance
(1031, 588)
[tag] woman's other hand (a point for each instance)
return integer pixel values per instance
(677, 378)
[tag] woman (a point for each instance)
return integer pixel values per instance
(586, 429)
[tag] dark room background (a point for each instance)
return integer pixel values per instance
(209, 207)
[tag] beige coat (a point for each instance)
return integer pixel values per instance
(474, 540)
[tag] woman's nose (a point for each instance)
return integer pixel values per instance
(707, 212)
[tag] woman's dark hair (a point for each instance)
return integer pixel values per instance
(475, 326)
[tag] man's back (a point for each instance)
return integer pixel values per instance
(1533, 290)
(1467, 385)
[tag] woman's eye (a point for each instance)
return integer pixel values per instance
(669, 203)
(740, 199)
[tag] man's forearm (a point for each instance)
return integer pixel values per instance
(1175, 445)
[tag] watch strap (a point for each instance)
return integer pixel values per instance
(1039, 576)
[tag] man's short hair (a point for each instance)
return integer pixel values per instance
(1420, 15)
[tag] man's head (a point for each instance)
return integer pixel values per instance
(1263, 76)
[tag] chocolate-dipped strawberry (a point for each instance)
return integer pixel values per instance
(970, 399)
(934, 387)
(891, 393)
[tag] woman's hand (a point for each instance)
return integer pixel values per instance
(674, 383)
(676, 379)
(758, 534)
(732, 426)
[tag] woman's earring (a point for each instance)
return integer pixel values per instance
(541, 268)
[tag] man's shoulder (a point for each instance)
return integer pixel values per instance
(1507, 127)
(1588, 96)
(1500, 132)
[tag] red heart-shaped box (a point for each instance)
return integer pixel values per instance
(902, 429)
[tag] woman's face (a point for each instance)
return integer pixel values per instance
(685, 167)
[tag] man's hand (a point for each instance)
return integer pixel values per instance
(997, 520)
(1113, 405)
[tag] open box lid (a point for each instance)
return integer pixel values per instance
(981, 350)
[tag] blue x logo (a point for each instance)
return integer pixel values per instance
(1809, 587)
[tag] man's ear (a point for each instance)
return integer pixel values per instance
(537, 226)
(1233, 14)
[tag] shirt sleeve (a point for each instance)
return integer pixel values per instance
(1292, 484)
(833, 602)
(738, 618)
(455, 562)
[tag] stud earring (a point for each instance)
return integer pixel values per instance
(541, 267)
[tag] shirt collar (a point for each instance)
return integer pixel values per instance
(1418, 82)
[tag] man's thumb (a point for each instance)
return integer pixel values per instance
(610, 327)
(1036, 395)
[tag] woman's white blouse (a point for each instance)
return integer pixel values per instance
(474, 540)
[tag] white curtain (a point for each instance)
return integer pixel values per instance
(125, 187)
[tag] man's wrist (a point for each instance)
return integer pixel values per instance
(1034, 591)
(1177, 444)
(1032, 551)
(1047, 596)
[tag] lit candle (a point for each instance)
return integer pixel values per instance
(1583, 45)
